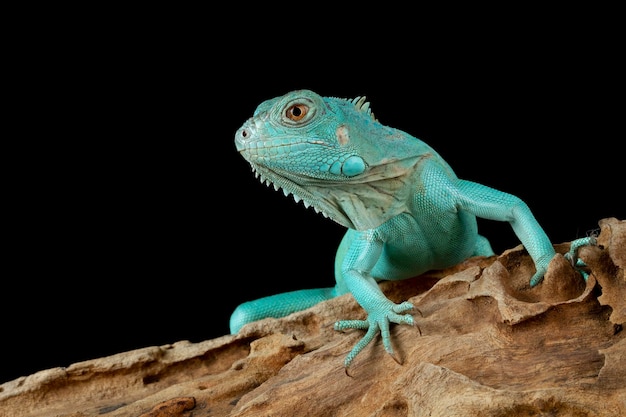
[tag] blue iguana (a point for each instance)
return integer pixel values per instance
(405, 210)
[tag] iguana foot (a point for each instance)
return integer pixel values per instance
(377, 321)
(571, 256)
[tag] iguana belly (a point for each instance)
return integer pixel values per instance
(412, 247)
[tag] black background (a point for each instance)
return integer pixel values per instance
(138, 224)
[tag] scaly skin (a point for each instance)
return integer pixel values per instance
(405, 209)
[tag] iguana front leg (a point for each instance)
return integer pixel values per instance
(488, 203)
(492, 204)
(356, 265)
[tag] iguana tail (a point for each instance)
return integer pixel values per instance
(278, 305)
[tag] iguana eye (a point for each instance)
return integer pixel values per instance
(296, 112)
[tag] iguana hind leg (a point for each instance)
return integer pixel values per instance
(482, 247)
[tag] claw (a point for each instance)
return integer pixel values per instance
(395, 358)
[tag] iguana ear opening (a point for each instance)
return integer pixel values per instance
(343, 135)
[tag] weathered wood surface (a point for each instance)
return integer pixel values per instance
(486, 345)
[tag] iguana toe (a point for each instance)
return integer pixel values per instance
(351, 324)
(369, 336)
(572, 254)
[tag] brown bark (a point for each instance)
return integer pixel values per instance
(485, 344)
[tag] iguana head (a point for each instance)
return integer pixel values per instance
(334, 155)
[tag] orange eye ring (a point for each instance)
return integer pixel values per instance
(296, 112)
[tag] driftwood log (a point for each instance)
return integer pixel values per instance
(486, 344)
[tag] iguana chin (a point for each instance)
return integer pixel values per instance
(405, 210)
